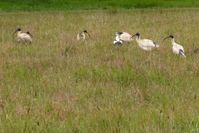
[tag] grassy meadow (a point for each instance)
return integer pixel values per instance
(58, 84)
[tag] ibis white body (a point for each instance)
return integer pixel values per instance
(24, 37)
(146, 44)
(177, 48)
(117, 41)
(82, 35)
(124, 37)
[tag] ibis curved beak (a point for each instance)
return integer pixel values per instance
(15, 32)
(134, 35)
(166, 38)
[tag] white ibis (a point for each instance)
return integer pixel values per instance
(145, 44)
(122, 37)
(83, 35)
(117, 41)
(176, 48)
(24, 37)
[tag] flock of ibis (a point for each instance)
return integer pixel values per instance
(147, 44)
(120, 38)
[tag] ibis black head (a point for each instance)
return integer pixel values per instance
(170, 36)
(137, 34)
(119, 33)
(18, 29)
(85, 31)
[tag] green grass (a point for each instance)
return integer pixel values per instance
(58, 84)
(29, 5)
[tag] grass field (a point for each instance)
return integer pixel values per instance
(29, 5)
(58, 84)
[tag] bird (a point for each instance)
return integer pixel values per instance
(122, 37)
(176, 48)
(23, 37)
(145, 44)
(83, 35)
(117, 41)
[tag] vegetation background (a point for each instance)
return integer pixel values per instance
(28, 5)
(59, 84)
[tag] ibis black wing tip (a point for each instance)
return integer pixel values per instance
(181, 52)
(29, 33)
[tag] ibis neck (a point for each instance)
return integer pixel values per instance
(19, 32)
(137, 38)
(172, 40)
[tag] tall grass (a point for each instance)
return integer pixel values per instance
(58, 84)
